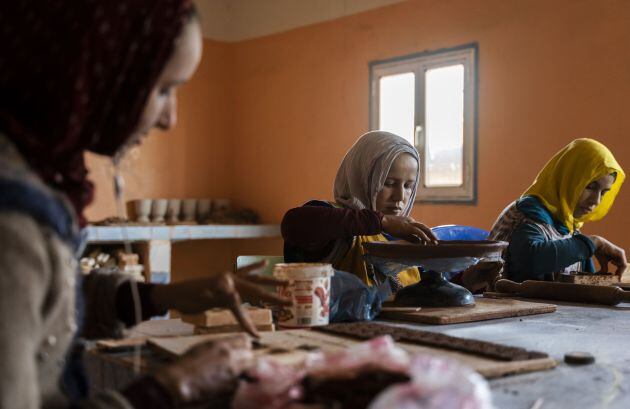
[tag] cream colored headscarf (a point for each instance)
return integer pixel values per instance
(363, 171)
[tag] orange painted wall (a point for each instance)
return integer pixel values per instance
(267, 121)
(548, 72)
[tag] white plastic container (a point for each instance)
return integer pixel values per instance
(309, 288)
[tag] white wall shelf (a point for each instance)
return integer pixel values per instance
(115, 234)
(154, 243)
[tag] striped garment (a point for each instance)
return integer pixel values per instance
(509, 220)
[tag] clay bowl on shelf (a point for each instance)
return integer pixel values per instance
(433, 290)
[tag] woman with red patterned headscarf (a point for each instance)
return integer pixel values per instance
(90, 75)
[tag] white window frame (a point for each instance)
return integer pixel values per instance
(419, 64)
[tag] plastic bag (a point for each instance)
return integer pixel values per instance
(436, 384)
(353, 300)
(380, 352)
(270, 385)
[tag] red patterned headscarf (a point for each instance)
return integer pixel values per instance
(75, 76)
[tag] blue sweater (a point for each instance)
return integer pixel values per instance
(531, 256)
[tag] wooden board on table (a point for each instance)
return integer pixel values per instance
(293, 346)
(624, 286)
(139, 334)
(119, 344)
(222, 329)
(218, 317)
(177, 346)
(588, 278)
(484, 309)
(161, 328)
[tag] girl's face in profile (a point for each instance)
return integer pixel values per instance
(592, 195)
(160, 110)
(399, 185)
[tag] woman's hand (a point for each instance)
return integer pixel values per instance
(606, 252)
(408, 229)
(209, 370)
(482, 275)
(224, 290)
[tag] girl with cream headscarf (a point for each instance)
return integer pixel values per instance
(579, 184)
(374, 192)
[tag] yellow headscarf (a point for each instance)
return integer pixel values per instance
(563, 179)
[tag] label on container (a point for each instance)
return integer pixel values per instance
(310, 307)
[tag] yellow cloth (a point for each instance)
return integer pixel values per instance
(354, 263)
(563, 179)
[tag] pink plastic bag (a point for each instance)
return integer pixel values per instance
(437, 384)
(380, 352)
(273, 386)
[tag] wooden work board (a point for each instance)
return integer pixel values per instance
(293, 346)
(484, 309)
(624, 286)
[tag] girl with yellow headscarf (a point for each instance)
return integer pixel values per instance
(579, 184)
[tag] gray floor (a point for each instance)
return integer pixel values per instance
(602, 331)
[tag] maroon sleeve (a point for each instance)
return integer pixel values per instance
(124, 303)
(318, 224)
(148, 393)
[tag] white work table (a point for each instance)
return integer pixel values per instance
(602, 331)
